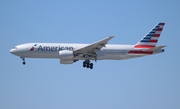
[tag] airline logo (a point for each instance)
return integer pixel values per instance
(51, 48)
(32, 48)
(54, 48)
(151, 38)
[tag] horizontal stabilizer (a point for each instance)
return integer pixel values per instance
(155, 48)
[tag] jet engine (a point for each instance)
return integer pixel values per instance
(66, 61)
(66, 57)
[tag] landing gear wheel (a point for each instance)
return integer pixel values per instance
(91, 65)
(84, 65)
(23, 59)
(87, 64)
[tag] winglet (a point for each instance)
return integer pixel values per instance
(111, 36)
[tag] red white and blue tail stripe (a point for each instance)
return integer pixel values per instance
(150, 39)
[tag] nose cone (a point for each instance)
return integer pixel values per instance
(18, 50)
(12, 51)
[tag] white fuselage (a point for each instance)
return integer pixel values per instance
(51, 50)
(69, 53)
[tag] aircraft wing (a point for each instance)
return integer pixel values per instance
(93, 48)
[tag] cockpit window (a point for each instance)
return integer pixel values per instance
(14, 47)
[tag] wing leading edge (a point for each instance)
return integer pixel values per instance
(92, 48)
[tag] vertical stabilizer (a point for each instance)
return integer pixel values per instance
(151, 38)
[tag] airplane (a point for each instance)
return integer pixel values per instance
(68, 53)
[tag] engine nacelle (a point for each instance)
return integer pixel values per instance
(66, 61)
(66, 55)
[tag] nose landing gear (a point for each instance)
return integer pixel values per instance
(23, 59)
(87, 64)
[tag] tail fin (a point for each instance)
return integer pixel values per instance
(151, 38)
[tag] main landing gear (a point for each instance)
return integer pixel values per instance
(23, 59)
(87, 64)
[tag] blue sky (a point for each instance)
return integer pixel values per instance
(144, 83)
